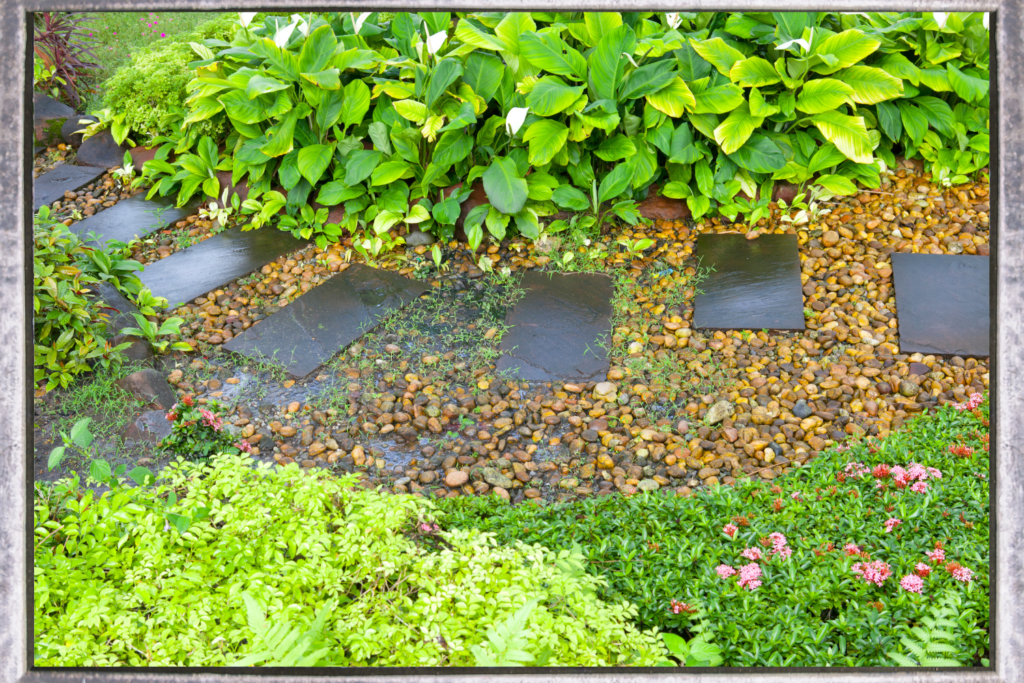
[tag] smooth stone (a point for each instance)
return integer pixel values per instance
(46, 111)
(151, 426)
(755, 284)
(456, 478)
(150, 386)
(719, 412)
(132, 218)
(101, 150)
(802, 410)
(313, 328)
(557, 328)
(191, 273)
(942, 304)
(418, 238)
(51, 186)
(494, 477)
(75, 123)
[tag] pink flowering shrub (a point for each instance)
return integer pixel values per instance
(912, 583)
(875, 572)
(198, 431)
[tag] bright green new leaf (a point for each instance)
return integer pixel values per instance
(355, 104)
(313, 161)
(847, 48)
(837, 184)
(443, 75)
(569, 197)
(390, 171)
(452, 147)
(615, 148)
(848, 133)
(649, 78)
(505, 189)
(550, 96)
(871, 85)
(615, 182)
(674, 99)
(676, 190)
(758, 105)
(261, 85)
(721, 99)
(753, 72)
(546, 139)
(719, 53)
(282, 142)
(607, 63)
(823, 94)
(411, 110)
(600, 24)
(550, 53)
(737, 128)
(336, 192)
(968, 87)
(360, 165)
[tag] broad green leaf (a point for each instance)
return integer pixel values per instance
(754, 72)
(313, 161)
(674, 99)
(649, 78)
(505, 189)
(472, 32)
(615, 148)
(721, 99)
(483, 73)
(390, 171)
(336, 192)
(827, 156)
(288, 170)
(896, 64)
(142, 476)
(355, 104)
(527, 224)
(599, 24)
(937, 52)
(705, 179)
(676, 190)
(378, 132)
(969, 88)
(847, 48)
(644, 164)
(871, 85)
(692, 66)
(496, 223)
(443, 75)
(360, 165)
(99, 470)
(607, 63)
(411, 110)
(202, 109)
(848, 133)
(452, 147)
(317, 50)
(550, 96)
(758, 105)
(261, 85)
(823, 94)
(935, 78)
(698, 205)
(569, 197)
(550, 53)
(417, 214)
(889, 120)
(736, 128)
(282, 142)
(328, 79)
(682, 149)
(836, 184)
(615, 182)
(939, 114)
(790, 25)
(546, 139)
(759, 154)
(719, 53)
(56, 455)
(329, 110)
(915, 122)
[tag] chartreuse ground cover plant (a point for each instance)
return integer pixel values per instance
(219, 561)
(585, 112)
(876, 554)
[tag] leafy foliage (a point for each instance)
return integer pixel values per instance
(811, 608)
(197, 431)
(937, 636)
(118, 582)
(65, 47)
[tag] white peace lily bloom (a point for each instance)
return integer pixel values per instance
(984, 20)
(673, 19)
(283, 35)
(360, 20)
(796, 41)
(940, 18)
(514, 120)
(435, 41)
(245, 18)
(630, 58)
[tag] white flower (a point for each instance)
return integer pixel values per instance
(673, 19)
(283, 35)
(435, 41)
(984, 20)
(940, 18)
(245, 18)
(358, 21)
(514, 120)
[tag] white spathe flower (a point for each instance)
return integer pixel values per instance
(435, 41)
(301, 24)
(514, 120)
(358, 21)
(283, 35)
(940, 18)
(796, 41)
(245, 18)
(673, 19)
(984, 20)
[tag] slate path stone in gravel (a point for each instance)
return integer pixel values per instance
(45, 110)
(101, 150)
(120, 310)
(942, 303)
(309, 331)
(558, 328)
(192, 272)
(132, 218)
(51, 186)
(755, 284)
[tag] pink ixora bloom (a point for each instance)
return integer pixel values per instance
(880, 471)
(750, 576)
(917, 472)
(852, 549)
(244, 446)
(938, 555)
(724, 571)
(873, 572)
(892, 523)
(959, 572)
(855, 469)
(752, 554)
(900, 477)
(779, 545)
(730, 530)
(911, 583)
(919, 487)
(795, 495)
(934, 473)
(922, 570)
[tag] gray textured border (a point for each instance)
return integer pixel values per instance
(1007, 363)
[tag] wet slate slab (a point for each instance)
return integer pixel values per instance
(132, 218)
(51, 186)
(306, 333)
(119, 309)
(216, 261)
(755, 284)
(560, 329)
(942, 303)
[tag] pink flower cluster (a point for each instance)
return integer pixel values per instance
(730, 530)
(750, 576)
(873, 572)
(244, 446)
(855, 469)
(752, 554)
(892, 523)
(211, 420)
(724, 571)
(960, 572)
(779, 545)
(937, 556)
(912, 583)
(973, 402)
(852, 549)
(676, 607)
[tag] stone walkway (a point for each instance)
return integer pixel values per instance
(313, 328)
(132, 218)
(51, 186)
(192, 272)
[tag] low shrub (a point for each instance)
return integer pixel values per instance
(118, 584)
(197, 431)
(830, 566)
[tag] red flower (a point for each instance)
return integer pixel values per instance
(880, 471)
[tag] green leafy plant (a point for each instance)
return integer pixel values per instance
(281, 644)
(151, 332)
(696, 652)
(936, 636)
(508, 642)
(198, 431)
(80, 438)
(636, 247)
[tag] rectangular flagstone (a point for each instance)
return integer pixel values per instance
(753, 285)
(560, 329)
(942, 303)
(216, 261)
(306, 333)
(51, 186)
(132, 218)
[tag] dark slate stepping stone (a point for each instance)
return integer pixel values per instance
(755, 284)
(51, 186)
(216, 261)
(47, 115)
(101, 150)
(306, 333)
(132, 218)
(942, 304)
(119, 309)
(38, 149)
(560, 329)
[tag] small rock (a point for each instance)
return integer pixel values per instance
(418, 238)
(719, 412)
(648, 485)
(456, 478)
(802, 410)
(151, 387)
(909, 389)
(494, 477)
